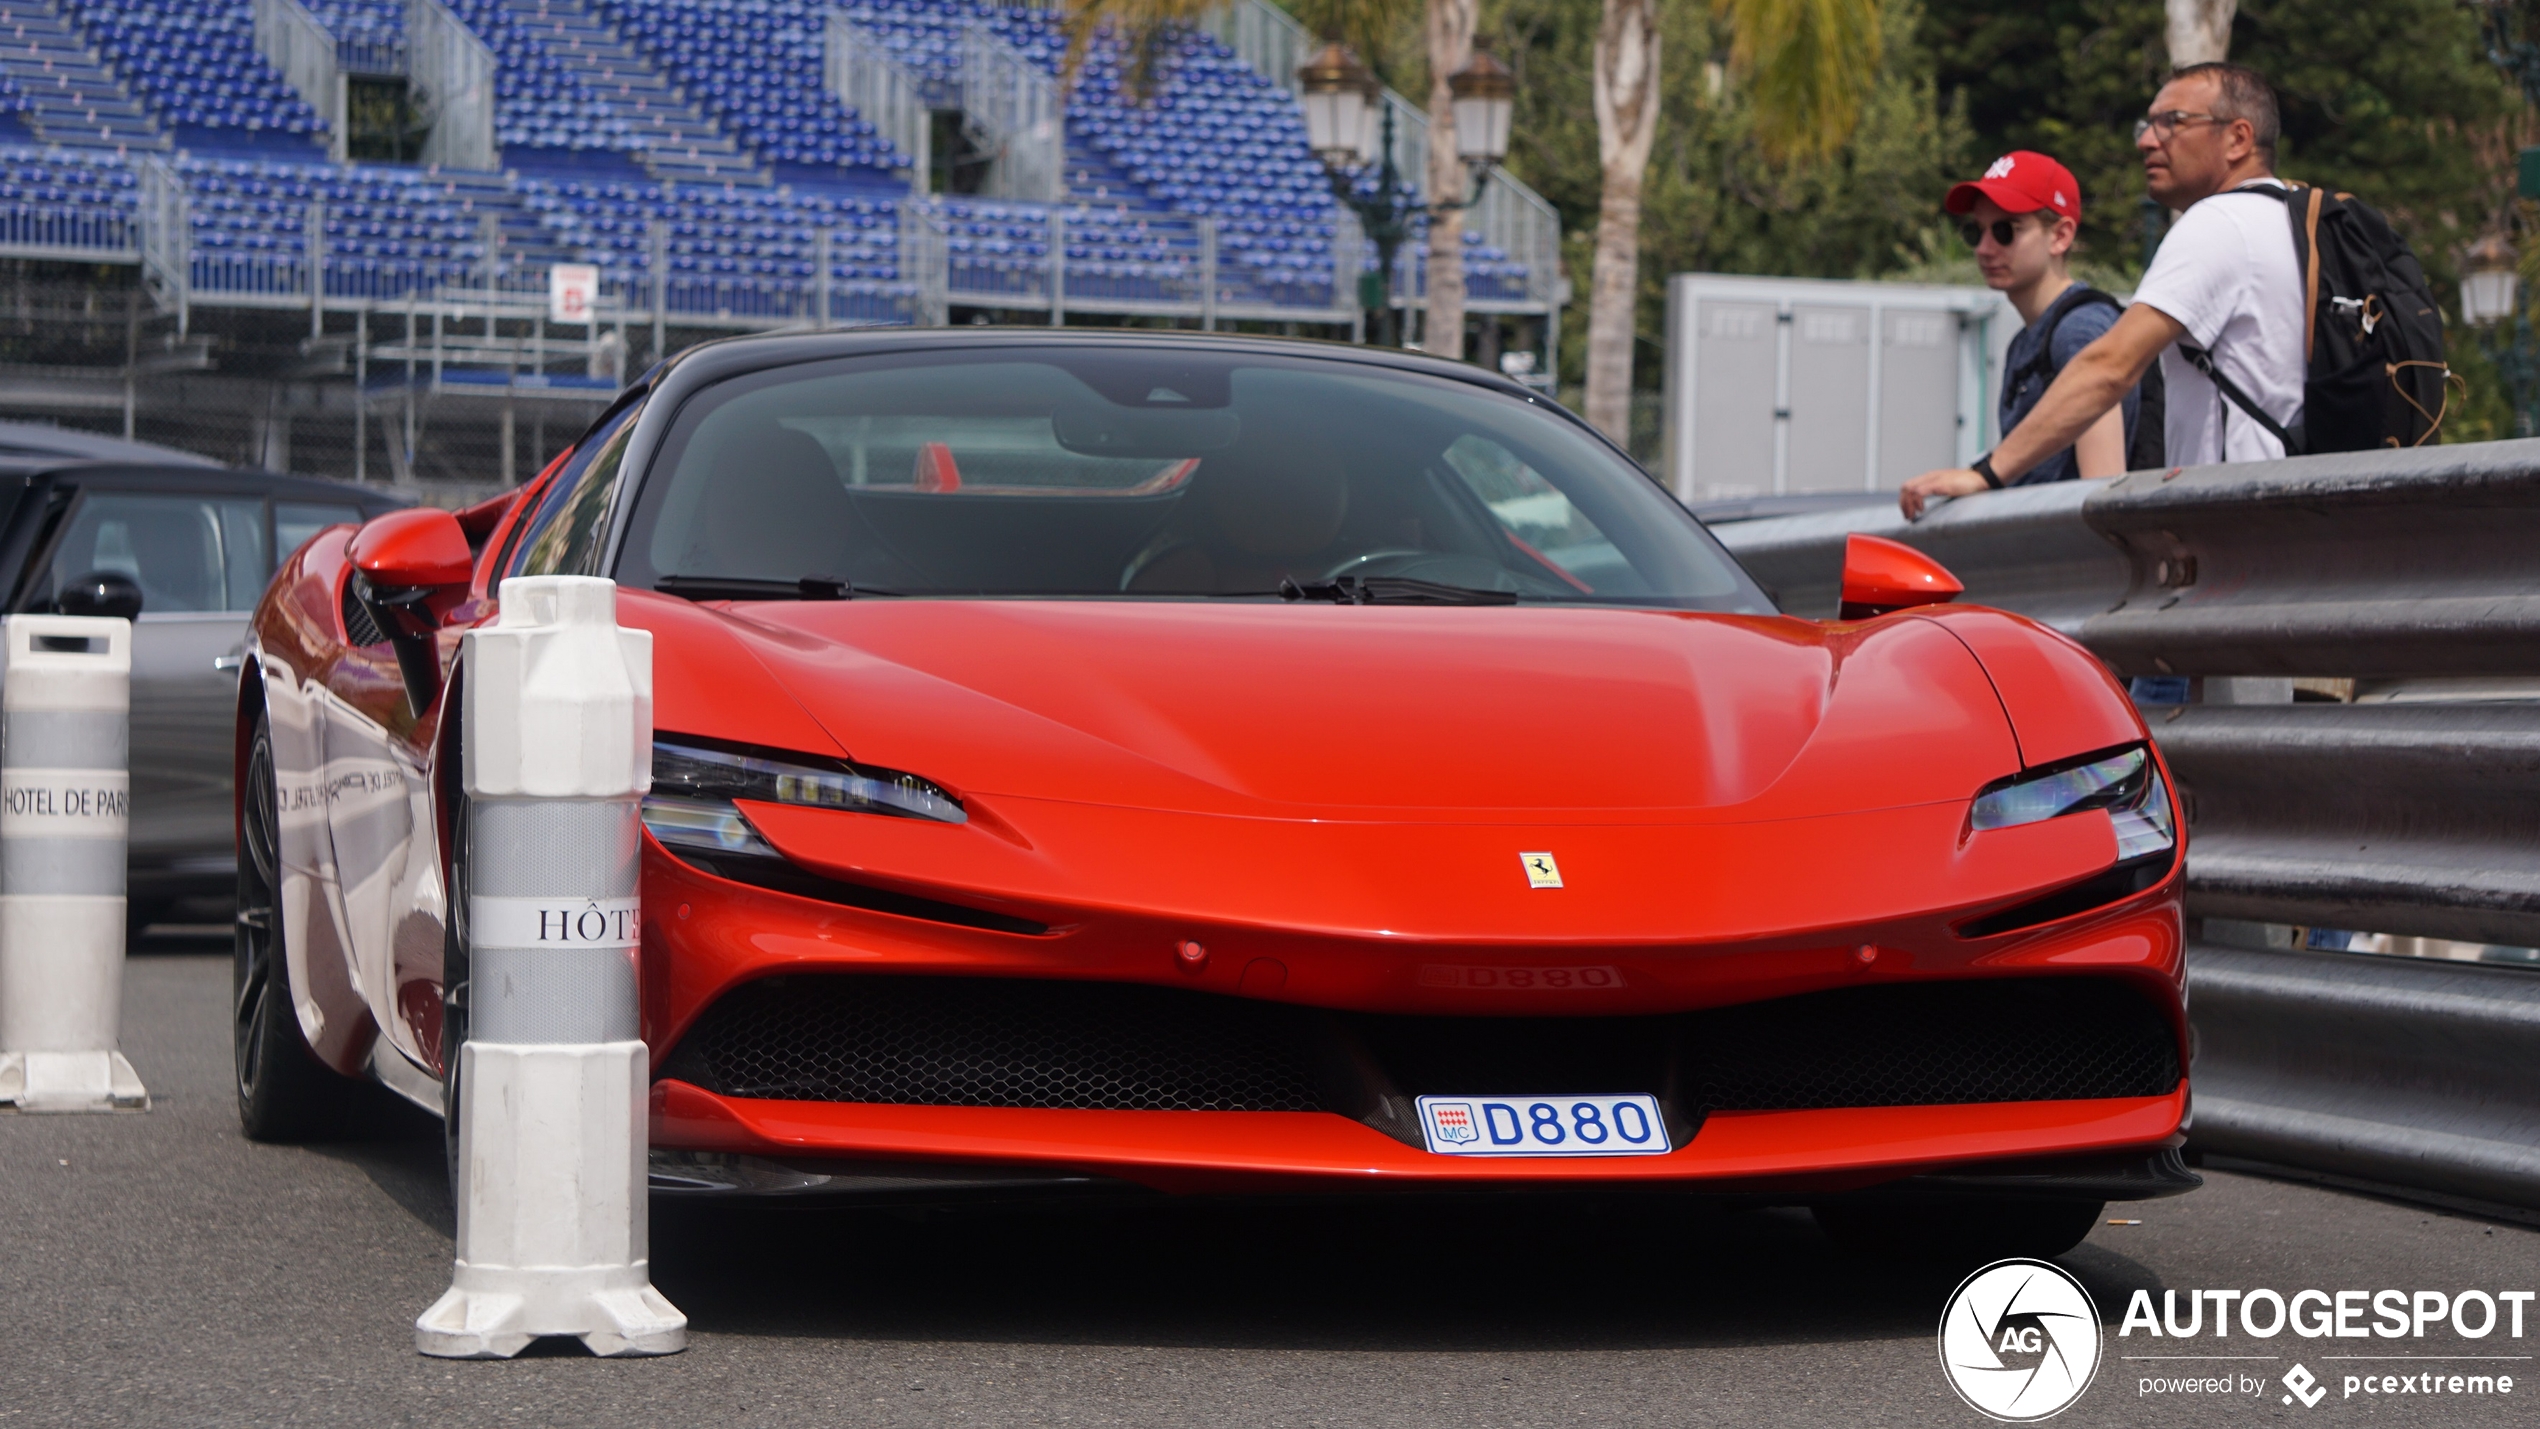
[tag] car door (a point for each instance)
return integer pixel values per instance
(379, 750)
(201, 557)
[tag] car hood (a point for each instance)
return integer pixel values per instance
(1346, 713)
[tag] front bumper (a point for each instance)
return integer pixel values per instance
(1799, 1153)
(710, 941)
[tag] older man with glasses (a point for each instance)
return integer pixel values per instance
(2224, 294)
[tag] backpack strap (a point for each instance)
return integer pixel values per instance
(2082, 295)
(2302, 206)
(2305, 210)
(2203, 361)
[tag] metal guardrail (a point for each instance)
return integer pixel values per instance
(2386, 1070)
(2404, 818)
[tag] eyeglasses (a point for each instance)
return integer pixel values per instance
(2169, 120)
(2002, 229)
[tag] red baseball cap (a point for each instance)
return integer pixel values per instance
(2021, 182)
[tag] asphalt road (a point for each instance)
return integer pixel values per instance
(157, 1268)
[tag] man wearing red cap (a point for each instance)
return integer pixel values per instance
(2223, 297)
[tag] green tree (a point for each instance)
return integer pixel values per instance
(2393, 101)
(1716, 198)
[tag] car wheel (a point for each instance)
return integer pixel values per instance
(454, 991)
(1961, 1231)
(284, 1092)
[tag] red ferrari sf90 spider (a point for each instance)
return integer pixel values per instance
(1202, 764)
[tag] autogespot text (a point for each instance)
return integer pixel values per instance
(2233, 1342)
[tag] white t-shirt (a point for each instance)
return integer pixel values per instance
(2227, 273)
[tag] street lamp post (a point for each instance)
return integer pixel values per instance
(2491, 284)
(1338, 91)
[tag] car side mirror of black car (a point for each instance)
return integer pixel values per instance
(100, 593)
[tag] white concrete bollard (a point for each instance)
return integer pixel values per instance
(65, 818)
(554, 1075)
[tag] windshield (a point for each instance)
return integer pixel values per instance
(1131, 471)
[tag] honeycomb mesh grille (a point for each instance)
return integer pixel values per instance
(1930, 1044)
(359, 628)
(1110, 1046)
(994, 1042)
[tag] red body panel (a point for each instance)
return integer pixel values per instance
(1313, 1151)
(421, 547)
(1330, 801)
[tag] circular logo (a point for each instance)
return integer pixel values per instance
(2019, 1340)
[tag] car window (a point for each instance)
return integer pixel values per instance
(560, 537)
(187, 553)
(294, 522)
(1540, 520)
(1122, 471)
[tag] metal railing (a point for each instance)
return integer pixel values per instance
(1014, 112)
(2406, 816)
(451, 76)
(66, 232)
(861, 72)
(371, 54)
(305, 52)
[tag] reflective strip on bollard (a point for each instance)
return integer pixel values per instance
(557, 741)
(65, 823)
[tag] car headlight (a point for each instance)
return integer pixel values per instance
(694, 786)
(2127, 785)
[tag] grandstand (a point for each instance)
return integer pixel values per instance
(724, 164)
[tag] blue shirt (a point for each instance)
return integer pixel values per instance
(2081, 325)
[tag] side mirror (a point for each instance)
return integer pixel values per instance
(404, 564)
(1880, 575)
(419, 549)
(100, 593)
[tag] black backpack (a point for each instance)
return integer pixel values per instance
(2374, 335)
(2146, 447)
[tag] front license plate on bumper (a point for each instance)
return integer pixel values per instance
(1543, 1126)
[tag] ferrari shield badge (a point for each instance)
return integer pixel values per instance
(1541, 871)
(1452, 1123)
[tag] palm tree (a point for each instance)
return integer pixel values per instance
(2199, 30)
(1625, 90)
(1805, 64)
(1450, 35)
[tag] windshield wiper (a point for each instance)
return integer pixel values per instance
(1392, 590)
(750, 588)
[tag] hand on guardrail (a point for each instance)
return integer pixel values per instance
(1950, 481)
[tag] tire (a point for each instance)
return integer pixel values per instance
(284, 1092)
(454, 991)
(1970, 1231)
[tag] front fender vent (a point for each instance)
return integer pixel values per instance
(359, 628)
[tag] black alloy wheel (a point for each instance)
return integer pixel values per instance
(284, 1092)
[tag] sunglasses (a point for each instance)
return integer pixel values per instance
(2170, 121)
(2002, 229)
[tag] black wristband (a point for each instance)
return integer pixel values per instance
(1984, 468)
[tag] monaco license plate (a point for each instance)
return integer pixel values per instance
(1543, 1126)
